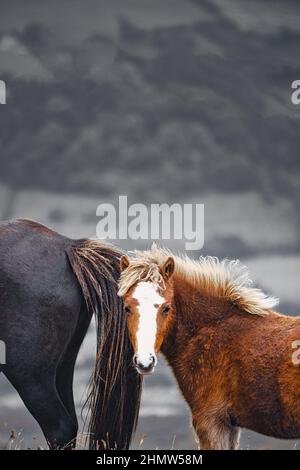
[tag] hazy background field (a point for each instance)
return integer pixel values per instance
(174, 101)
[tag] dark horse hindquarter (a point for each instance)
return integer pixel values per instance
(267, 380)
(40, 305)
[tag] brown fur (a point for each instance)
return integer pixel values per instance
(235, 370)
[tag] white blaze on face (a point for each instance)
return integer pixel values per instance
(147, 296)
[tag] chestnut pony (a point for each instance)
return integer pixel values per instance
(233, 357)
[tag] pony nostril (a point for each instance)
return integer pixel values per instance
(152, 359)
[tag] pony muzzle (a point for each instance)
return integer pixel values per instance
(145, 366)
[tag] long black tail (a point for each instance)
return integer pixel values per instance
(114, 398)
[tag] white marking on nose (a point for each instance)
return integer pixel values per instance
(149, 301)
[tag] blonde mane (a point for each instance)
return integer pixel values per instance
(228, 279)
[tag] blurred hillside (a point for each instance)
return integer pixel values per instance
(165, 111)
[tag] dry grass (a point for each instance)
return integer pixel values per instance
(16, 442)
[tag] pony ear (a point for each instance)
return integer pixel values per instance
(124, 262)
(168, 269)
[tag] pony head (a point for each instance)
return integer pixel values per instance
(148, 303)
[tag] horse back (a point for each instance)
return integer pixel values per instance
(33, 258)
(40, 298)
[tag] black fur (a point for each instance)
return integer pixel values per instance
(48, 293)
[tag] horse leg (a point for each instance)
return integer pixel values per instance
(64, 385)
(65, 369)
(44, 403)
(212, 433)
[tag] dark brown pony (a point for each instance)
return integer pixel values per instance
(50, 286)
(233, 357)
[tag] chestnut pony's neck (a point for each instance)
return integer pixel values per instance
(193, 311)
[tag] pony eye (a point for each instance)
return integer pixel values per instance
(166, 310)
(127, 309)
